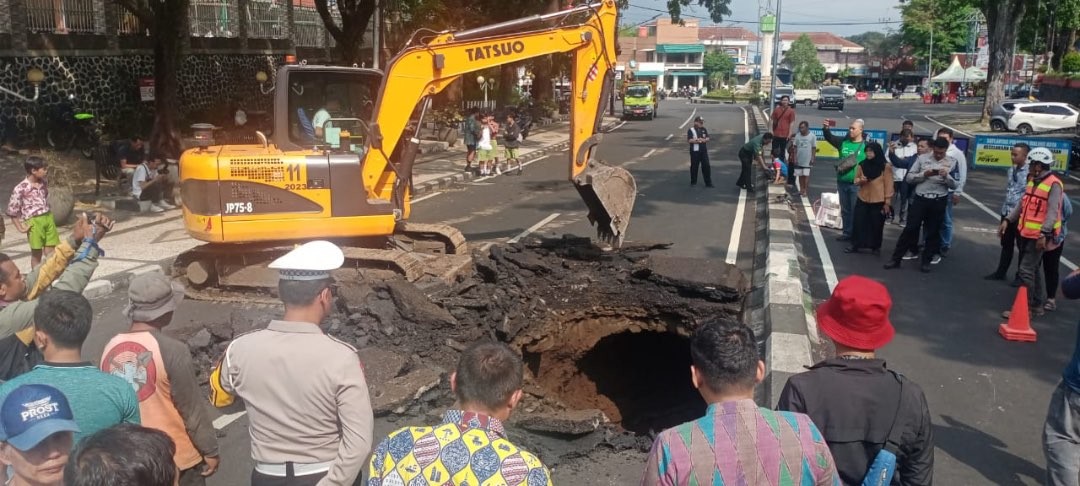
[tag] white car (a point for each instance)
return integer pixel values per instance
(849, 90)
(1041, 117)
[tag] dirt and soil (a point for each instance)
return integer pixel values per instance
(604, 336)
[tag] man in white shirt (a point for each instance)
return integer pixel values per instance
(151, 183)
(323, 115)
(960, 174)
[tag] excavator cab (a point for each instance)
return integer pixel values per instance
(325, 108)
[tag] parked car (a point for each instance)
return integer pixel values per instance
(779, 91)
(999, 115)
(912, 93)
(1041, 117)
(849, 90)
(831, 97)
(1025, 92)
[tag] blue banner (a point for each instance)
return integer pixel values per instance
(993, 151)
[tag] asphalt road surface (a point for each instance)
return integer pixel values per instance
(988, 396)
(701, 222)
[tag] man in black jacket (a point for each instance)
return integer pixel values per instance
(854, 399)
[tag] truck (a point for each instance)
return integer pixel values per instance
(640, 100)
(805, 96)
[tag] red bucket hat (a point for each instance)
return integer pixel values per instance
(857, 314)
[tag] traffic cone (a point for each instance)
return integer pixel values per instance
(1018, 328)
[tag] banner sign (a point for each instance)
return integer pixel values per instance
(961, 142)
(993, 151)
(825, 150)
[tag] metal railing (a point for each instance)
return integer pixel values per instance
(61, 16)
(214, 18)
(308, 29)
(5, 17)
(267, 19)
(128, 24)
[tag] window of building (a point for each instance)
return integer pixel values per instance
(64, 16)
(214, 18)
(308, 27)
(129, 24)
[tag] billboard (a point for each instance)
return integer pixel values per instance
(993, 151)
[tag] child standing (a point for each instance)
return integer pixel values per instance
(29, 210)
(512, 141)
(484, 147)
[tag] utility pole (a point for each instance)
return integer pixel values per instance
(376, 27)
(775, 59)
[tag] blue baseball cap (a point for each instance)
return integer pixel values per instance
(32, 413)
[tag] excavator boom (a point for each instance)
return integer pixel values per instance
(421, 71)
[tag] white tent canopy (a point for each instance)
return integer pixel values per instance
(955, 73)
(973, 73)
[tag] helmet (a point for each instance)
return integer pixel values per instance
(1041, 155)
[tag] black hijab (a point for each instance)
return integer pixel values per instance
(872, 168)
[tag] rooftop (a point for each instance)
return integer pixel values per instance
(822, 39)
(715, 32)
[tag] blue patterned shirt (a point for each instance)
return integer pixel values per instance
(1014, 189)
(466, 449)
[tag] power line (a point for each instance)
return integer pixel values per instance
(756, 22)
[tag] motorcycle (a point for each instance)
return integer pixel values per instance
(71, 128)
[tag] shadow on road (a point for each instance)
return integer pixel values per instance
(984, 453)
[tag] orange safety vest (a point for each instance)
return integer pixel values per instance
(1034, 208)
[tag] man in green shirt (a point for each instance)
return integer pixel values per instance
(852, 149)
(98, 399)
(747, 154)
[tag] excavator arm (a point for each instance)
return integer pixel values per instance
(421, 71)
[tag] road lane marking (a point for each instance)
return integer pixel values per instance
(649, 153)
(1068, 264)
(688, 119)
(1074, 177)
(425, 198)
(740, 209)
(961, 132)
(224, 420)
(668, 137)
(533, 228)
(643, 157)
(616, 127)
(819, 242)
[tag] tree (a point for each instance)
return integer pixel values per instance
(718, 9)
(349, 34)
(718, 66)
(806, 70)
(1003, 19)
(168, 24)
(946, 19)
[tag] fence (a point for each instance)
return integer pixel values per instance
(267, 19)
(5, 17)
(214, 18)
(128, 24)
(479, 104)
(308, 27)
(61, 16)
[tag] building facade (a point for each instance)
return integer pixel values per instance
(667, 53)
(737, 43)
(102, 55)
(841, 57)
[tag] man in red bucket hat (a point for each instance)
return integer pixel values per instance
(858, 404)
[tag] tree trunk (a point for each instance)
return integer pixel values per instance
(508, 81)
(1001, 33)
(349, 47)
(171, 33)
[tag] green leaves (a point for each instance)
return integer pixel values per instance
(717, 66)
(807, 71)
(718, 9)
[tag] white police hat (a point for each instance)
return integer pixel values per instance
(313, 260)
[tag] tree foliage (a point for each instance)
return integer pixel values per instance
(718, 66)
(349, 32)
(807, 71)
(947, 19)
(718, 9)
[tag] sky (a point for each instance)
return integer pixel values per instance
(796, 14)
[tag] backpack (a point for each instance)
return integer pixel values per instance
(883, 468)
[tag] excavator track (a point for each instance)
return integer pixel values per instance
(239, 274)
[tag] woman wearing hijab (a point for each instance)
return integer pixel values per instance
(874, 178)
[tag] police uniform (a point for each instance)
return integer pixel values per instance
(307, 400)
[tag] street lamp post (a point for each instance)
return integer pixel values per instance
(776, 58)
(485, 84)
(35, 77)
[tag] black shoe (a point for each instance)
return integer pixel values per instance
(851, 249)
(1016, 282)
(843, 238)
(944, 252)
(892, 264)
(995, 276)
(925, 268)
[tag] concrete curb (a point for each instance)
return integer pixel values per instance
(99, 289)
(451, 180)
(785, 304)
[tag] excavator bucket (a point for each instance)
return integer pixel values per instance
(609, 193)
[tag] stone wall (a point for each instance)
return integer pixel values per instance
(210, 87)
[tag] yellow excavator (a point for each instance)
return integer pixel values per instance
(338, 163)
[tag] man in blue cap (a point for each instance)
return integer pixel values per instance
(36, 433)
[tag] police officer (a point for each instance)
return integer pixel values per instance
(698, 138)
(305, 393)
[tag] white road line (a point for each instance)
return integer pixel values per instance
(533, 228)
(740, 209)
(616, 127)
(649, 153)
(425, 198)
(688, 119)
(961, 132)
(819, 242)
(224, 420)
(1068, 264)
(524, 164)
(1074, 177)
(668, 137)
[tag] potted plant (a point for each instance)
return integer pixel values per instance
(447, 123)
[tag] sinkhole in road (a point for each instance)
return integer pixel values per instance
(637, 373)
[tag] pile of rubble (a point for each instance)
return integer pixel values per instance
(596, 328)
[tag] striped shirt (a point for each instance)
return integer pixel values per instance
(739, 443)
